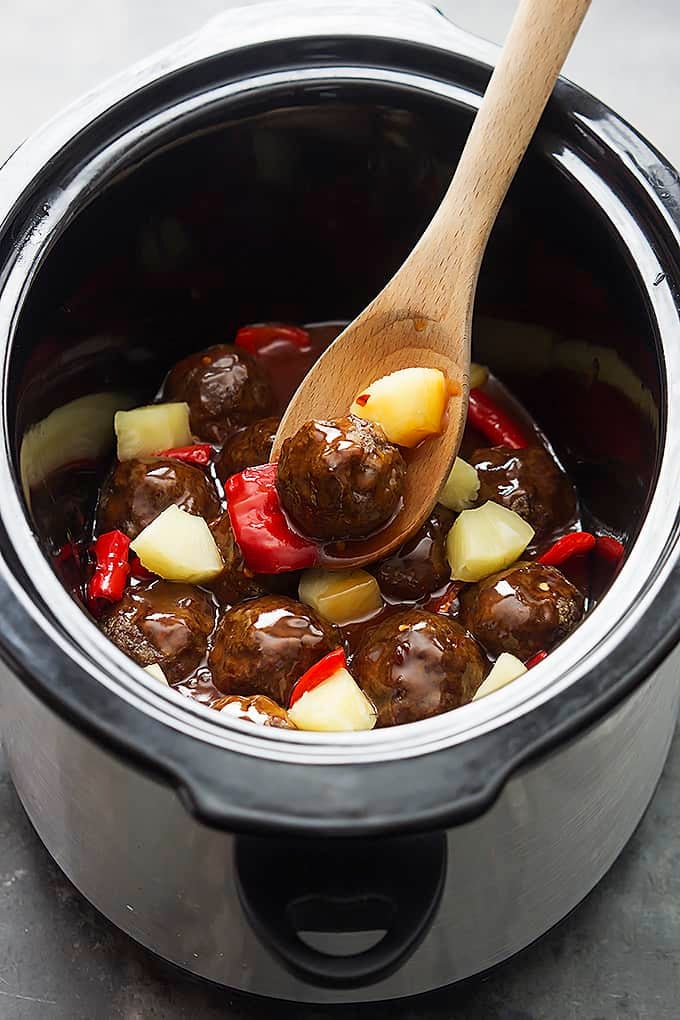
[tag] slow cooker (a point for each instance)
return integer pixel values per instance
(279, 164)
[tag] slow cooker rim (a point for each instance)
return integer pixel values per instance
(670, 635)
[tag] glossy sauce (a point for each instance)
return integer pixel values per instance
(258, 709)
(176, 618)
(287, 364)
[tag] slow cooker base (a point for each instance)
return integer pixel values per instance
(127, 843)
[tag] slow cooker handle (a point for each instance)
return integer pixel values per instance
(410, 20)
(291, 886)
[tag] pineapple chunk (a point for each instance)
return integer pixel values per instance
(179, 547)
(79, 430)
(461, 487)
(341, 596)
(156, 672)
(486, 540)
(148, 430)
(337, 705)
(478, 375)
(409, 404)
(505, 669)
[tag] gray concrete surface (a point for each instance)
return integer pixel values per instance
(618, 955)
(53, 50)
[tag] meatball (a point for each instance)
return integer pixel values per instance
(257, 709)
(340, 479)
(418, 664)
(236, 582)
(419, 567)
(529, 482)
(264, 647)
(224, 387)
(526, 609)
(247, 448)
(162, 622)
(139, 490)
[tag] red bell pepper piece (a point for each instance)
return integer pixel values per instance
(535, 659)
(609, 548)
(255, 338)
(574, 544)
(199, 454)
(492, 421)
(139, 571)
(111, 569)
(268, 543)
(316, 674)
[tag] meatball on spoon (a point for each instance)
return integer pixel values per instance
(422, 317)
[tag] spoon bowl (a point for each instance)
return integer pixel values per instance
(393, 344)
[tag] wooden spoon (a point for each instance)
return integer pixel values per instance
(423, 315)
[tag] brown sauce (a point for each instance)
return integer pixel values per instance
(287, 365)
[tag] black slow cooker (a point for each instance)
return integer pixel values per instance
(227, 180)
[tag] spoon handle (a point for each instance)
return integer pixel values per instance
(452, 247)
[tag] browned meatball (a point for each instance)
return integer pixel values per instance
(248, 447)
(139, 490)
(528, 482)
(162, 622)
(418, 664)
(236, 582)
(264, 647)
(224, 387)
(256, 709)
(340, 479)
(419, 567)
(526, 609)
